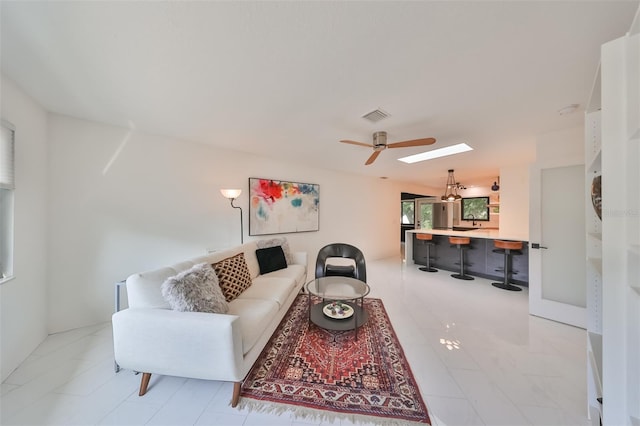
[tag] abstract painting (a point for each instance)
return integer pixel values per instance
(277, 206)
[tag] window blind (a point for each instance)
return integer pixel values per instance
(6, 156)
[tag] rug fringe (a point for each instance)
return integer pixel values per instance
(315, 415)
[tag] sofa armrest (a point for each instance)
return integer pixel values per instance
(187, 344)
(300, 258)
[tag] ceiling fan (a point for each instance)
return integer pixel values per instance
(380, 144)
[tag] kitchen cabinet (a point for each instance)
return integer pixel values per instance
(475, 262)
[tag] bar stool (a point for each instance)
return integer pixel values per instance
(427, 239)
(508, 248)
(463, 244)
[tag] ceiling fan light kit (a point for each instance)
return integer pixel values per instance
(379, 141)
(380, 144)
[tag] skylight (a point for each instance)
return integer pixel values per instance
(436, 153)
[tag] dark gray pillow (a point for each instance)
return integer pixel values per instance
(271, 259)
(195, 290)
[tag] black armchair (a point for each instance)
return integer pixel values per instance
(324, 269)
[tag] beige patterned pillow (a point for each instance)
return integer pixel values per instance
(233, 276)
(273, 242)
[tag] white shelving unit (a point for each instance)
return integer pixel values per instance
(620, 234)
(593, 225)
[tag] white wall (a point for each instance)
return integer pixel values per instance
(23, 300)
(554, 149)
(560, 148)
(122, 202)
(514, 200)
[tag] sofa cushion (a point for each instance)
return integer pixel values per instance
(143, 289)
(339, 270)
(271, 259)
(184, 265)
(249, 250)
(195, 290)
(270, 288)
(295, 272)
(233, 276)
(273, 242)
(255, 315)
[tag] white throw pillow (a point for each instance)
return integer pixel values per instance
(195, 290)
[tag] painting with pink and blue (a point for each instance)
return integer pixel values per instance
(277, 206)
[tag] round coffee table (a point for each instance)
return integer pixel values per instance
(342, 307)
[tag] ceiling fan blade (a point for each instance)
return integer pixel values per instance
(368, 145)
(372, 158)
(414, 142)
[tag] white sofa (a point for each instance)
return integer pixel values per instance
(151, 338)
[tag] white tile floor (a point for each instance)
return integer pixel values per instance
(477, 355)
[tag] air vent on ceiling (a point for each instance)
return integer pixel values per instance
(375, 115)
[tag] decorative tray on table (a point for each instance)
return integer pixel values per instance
(337, 310)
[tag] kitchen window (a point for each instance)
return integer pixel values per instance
(476, 208)
(7, 188)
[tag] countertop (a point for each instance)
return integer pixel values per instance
(491, 234)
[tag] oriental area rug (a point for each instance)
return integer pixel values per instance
(326, 375)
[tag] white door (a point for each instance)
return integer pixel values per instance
(557, 253)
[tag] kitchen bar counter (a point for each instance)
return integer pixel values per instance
(481, 260)
(492, 234)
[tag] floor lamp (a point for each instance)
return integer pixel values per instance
(232, 194)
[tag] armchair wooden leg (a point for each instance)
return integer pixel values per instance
(144, 383)
(236, 393)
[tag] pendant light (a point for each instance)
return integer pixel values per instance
(496, 185)
(451, 190)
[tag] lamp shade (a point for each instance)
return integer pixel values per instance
(231, 193)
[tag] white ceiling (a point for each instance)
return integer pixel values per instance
(290, 79)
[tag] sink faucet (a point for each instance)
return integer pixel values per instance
(473, 219)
